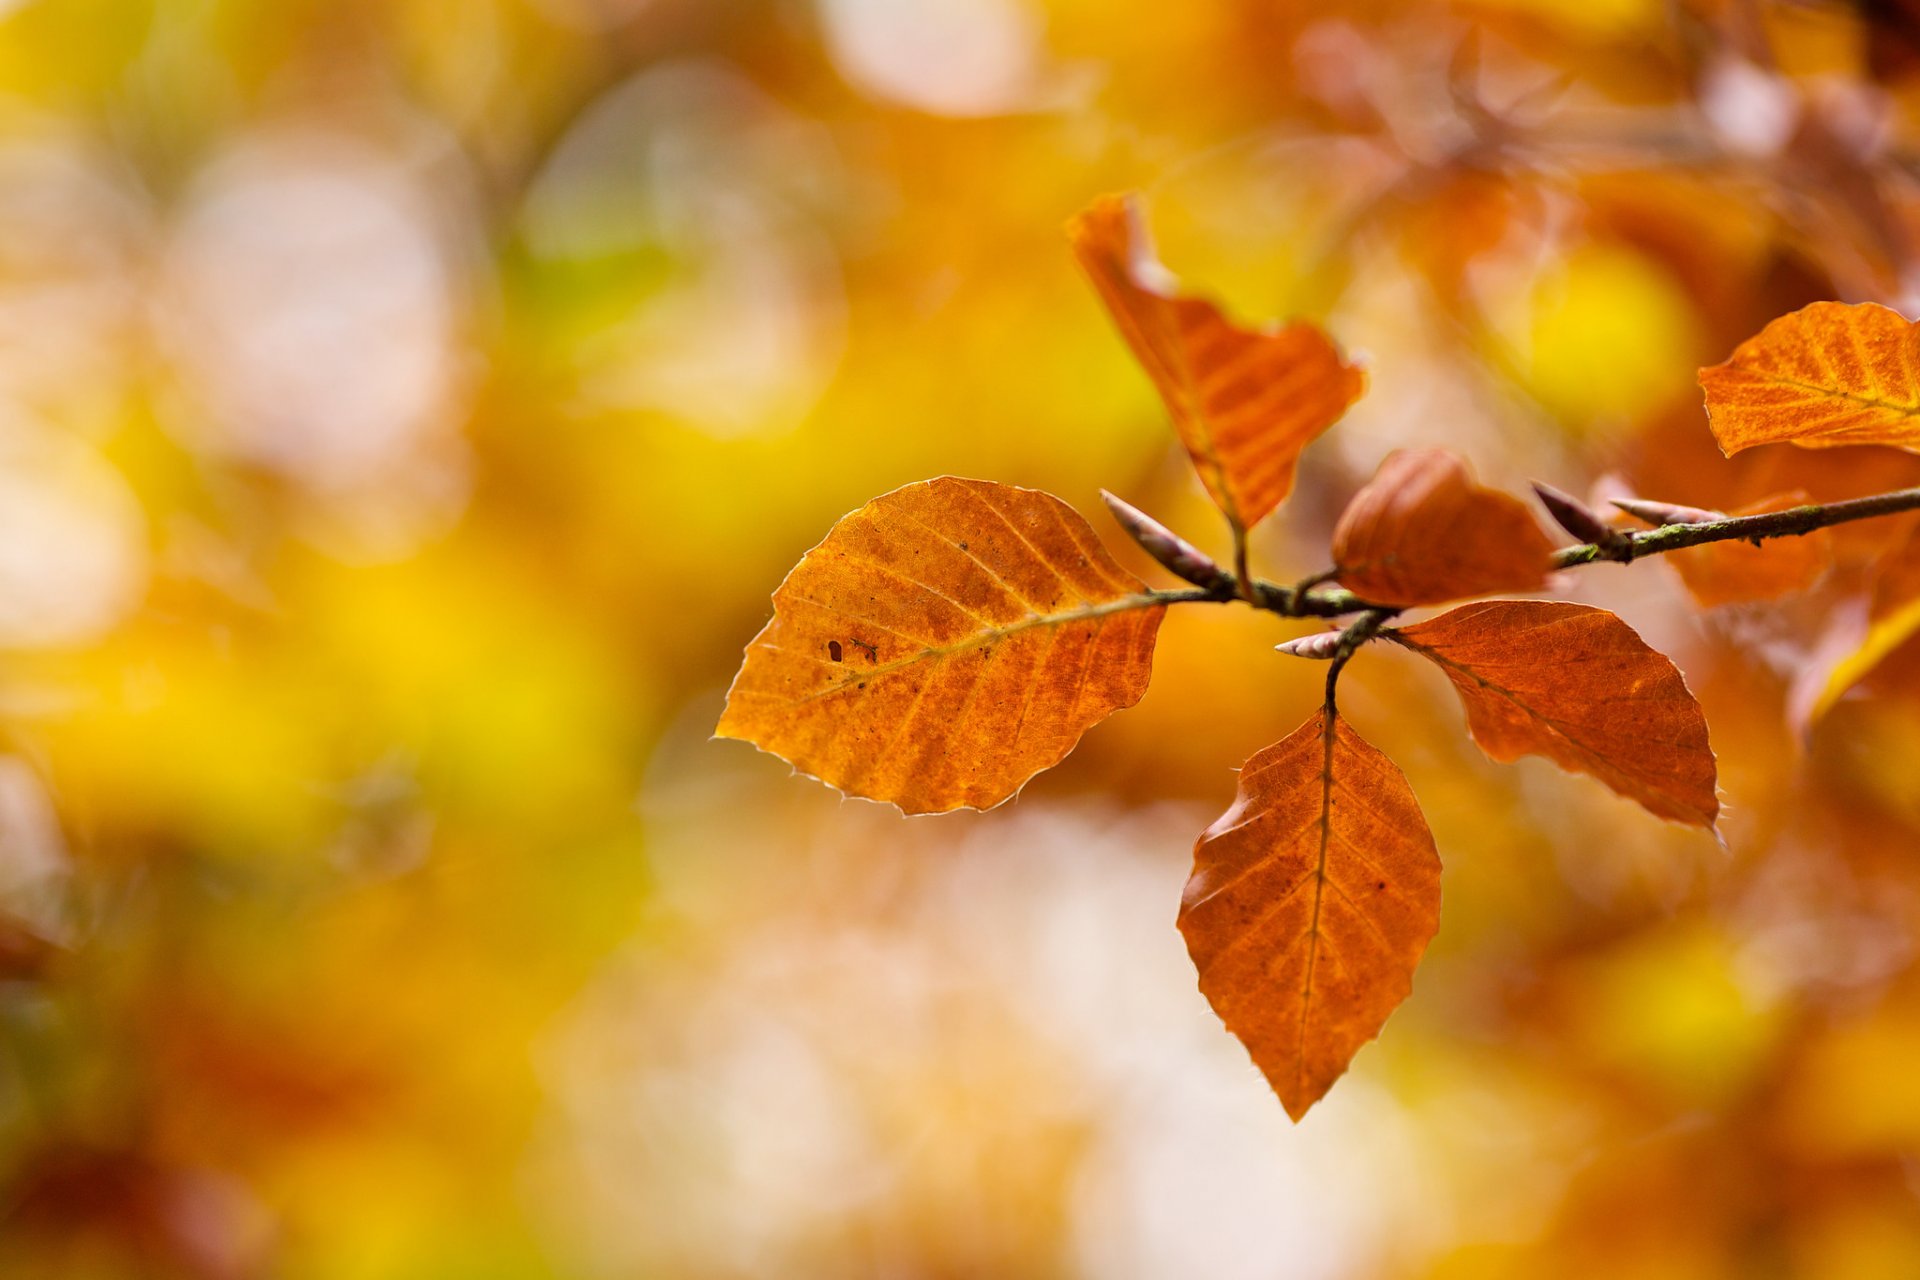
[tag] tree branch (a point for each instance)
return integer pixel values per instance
(1791, 523)
(1309, 599)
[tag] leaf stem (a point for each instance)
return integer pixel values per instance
(1240, 572)
(1358, 632)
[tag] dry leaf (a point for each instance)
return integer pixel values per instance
(1311, 902)
(1578, 686)
(944, 643)
(1421, 531)
(1244, 402)
(1717, 573)
(1829, 374)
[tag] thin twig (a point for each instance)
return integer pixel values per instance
(1306, 600)
(1361, 630)
(1791, 523)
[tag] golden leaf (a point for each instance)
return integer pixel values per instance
(945, 642)
(1829, 374)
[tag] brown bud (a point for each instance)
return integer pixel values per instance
(1577, 518)
(1322, 646)
(1180, 557)
(1659, 513)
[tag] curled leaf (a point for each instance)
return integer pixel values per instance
(945, 642)
(1421, 531)
(1828, 374)
(1576, 684)
(1311, 902)
(1733, 572)
(1244, 402)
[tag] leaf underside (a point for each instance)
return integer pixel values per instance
(942, 645)
(1311, 902)
(1828, 374)
(1576, 684)
(1421, 532)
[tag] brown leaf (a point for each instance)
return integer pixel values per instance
(944, 643)
(1311, 902)
(1421, 531)
(1576, 684)
(1828, 374)
(1717, 573)
(1244, 402)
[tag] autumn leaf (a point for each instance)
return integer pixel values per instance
(1717, 573)
(1310, 904)
(1421, 531)
(1828, 374)
(1576, 684)
(1893, 618)
(1244, 402)
(946, 642)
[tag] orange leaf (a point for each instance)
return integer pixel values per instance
(945, 643)
(1828, 374)
(1245, 403)
(1421, 531)
(1311, 902)
(1576, 685)
(1717, 573)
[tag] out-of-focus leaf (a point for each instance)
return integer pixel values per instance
(1893, 618)
(1717, 573)
(946, 642)
(1311, 902)
(1421, 531)
(1829, 374)
(1578, 686)
(1244, 402)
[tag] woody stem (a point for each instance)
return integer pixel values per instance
(1308, 599)
(1792, 522)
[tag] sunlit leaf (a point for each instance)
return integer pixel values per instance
(1576, 684)
(1245, 402)
(1311, 902)
(1828, 374)
(1421, 531)
(944, 643)
(1733, 572)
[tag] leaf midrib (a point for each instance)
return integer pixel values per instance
(932, 653)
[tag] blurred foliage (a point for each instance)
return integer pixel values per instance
(407, 408)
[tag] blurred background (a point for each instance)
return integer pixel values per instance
(407, 408)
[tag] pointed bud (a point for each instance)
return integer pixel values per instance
(1659, 513)
(1180, 557)
(1577, 518)
(1321, 646)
